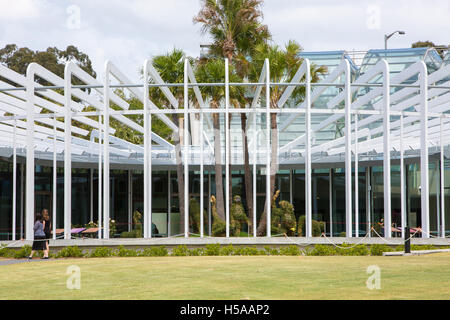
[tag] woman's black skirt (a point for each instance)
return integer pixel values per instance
(39, 243)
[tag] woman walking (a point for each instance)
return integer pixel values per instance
(47, 231)
(39, 236)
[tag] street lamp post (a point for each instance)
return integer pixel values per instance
(387, 36)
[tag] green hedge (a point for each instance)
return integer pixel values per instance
(215, 250)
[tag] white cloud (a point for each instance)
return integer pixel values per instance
(19, 9)
(127, 32)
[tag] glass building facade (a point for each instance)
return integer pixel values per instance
(349, 156)
(328, 197)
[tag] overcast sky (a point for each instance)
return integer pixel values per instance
(129, 31)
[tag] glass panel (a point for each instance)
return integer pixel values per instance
(338, 182)
(320, 194)
(5, 200)
(414, 204)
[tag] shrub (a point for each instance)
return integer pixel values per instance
(154, 252)
(322, 250)
(378, 249)
(212, 249)
(196, 252)
(422, 247)
(194, 216)
(283, 217)
(23, 252)
(218, 224)
(227, 250)
(101, 252)
(137, 227)
(122, 252)
(318, 227)
(347, 249)
(249, 251)
(290, 251)
(180, 251)
(238, 216)
(6, 252)
(271, 251)
(70, 252)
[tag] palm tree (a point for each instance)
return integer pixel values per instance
(213, 71)
(284, 63)
(235, 27)
(171, 68)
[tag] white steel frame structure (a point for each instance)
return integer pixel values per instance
(415, 117)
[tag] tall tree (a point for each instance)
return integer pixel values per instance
(214, 71)
(171, 68)
(52, 59)
(235, 27)
(284, 63)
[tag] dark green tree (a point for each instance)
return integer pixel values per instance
(52, 59)
(284, 63)
(441, 49)
(235, 28)
(213, 71)
(170, 66)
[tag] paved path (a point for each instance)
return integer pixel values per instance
(15, 261)
(414, 252)
(7, 262)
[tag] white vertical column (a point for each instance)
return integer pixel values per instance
(209, 204)
(29, 213)
(268, 155)
(201, 173)
(348, 153)
(130, 201)
(442, 181)
(438, 202)
(186, 150)
(147, 154)
(291, 195)
(91, 194)
(14, 210)
(21, 201)
(150, 175)
(425, 199)
(255, 142)
(369, 200)
(330, 195)
(227, 150)
(100, 214)
(106, 192)
(356, 179)
(386, 150)
(308, 170)
(169, 202)
(55, 181)
(67, 152)
(402, 180)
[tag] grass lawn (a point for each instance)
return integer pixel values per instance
(243, 277)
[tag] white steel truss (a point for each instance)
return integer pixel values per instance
(389, 117)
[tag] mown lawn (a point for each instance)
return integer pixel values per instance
(243, 277)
